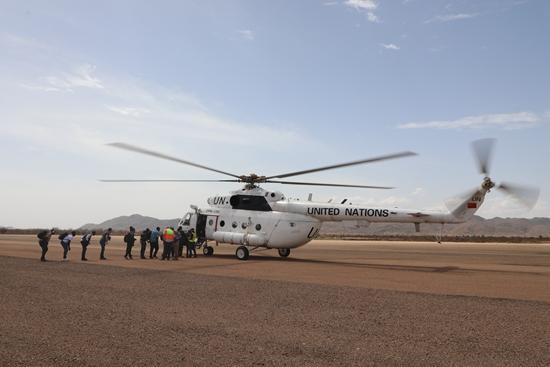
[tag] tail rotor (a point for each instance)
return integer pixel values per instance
(483, 152)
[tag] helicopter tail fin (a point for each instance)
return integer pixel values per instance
(465, 207)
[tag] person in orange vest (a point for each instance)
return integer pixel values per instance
(168, 237)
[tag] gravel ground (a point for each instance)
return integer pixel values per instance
(69, 314)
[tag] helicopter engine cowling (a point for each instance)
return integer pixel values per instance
(248, 239)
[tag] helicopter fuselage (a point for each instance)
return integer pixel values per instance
(258, 218)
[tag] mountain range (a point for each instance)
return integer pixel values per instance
(477, 226)
(135, 220)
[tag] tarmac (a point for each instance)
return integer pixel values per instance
(330, 303)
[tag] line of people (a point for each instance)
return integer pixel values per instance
(174, 241)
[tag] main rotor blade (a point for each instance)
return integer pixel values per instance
(363, 161)
(169, 180)
(483, 150)
(526, 195)
(133, 148)
(328, 184)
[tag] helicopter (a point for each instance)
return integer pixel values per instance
(255, 218)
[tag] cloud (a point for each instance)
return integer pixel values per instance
(246, 34)
(365, 5)
(123, 108)
(507, 121)
(390, 46)
(330, 3)
(451, 17)
(42, 88)
(129, 111)
(371, 17)
(362, 4)
(81, 77)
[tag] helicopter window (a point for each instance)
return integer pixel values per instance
(210, 222)
(292, 224)
(272, 194)
(244, 225)
(258, 227)
(249, 202)
(222, 223)
(234, 224)
(187, 219)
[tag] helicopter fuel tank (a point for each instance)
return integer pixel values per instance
(248, 239)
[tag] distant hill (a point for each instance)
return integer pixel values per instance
(136, 220)
(477, 226)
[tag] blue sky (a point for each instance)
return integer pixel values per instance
(267, 87)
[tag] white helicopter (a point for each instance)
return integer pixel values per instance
(254, 218)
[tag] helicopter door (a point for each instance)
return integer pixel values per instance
(201, 226)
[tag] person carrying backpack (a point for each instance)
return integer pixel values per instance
(105, 238)
(154, 241)
(85, 241)
(66, 239)
(43, 241)
(143, 238)
(129, 239)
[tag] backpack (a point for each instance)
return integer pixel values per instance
(127, 237)
(62, 236)
(42, 235)
(83, 240)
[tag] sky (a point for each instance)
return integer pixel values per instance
(267, 87)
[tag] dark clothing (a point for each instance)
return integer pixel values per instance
(84, 248)
(44, 246)
(167, 250)
(129, 239)
(191, 250)
(102, 251)
(85, 241)
(143, 238)
(128, 253)
(154, 249)
(182, 241)
(66, 247)
(43, 241)
(105, 238)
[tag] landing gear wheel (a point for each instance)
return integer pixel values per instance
(208, 251)
(242, 253)
(284, 252)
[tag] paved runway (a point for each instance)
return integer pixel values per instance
(514, 271)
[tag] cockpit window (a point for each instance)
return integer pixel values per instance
(249, 202)
(187, 219)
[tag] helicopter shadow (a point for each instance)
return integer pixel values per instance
(362, 265)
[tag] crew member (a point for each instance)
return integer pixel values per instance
(168, 237)
(129, 239)
(143, 238)
(44, 240)
(192, 238)
(85, 241)
(105, 238)
(66, 243)
(154, 241)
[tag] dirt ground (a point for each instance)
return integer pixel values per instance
(330, 303)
